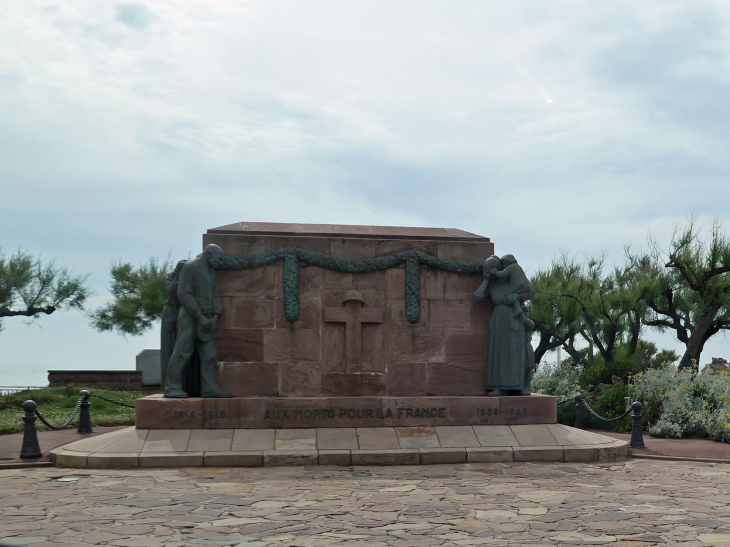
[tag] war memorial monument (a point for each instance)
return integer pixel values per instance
(303, 343)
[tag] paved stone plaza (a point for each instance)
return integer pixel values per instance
(632, 503)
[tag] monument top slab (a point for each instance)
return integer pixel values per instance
(349, 231)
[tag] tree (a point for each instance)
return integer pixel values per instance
(558, 320)
(612, 307)
(137, 298)
(30, 288)
(627, 361)
(690, 292)
(581, 303)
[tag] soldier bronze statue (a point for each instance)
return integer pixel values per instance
(200, 305)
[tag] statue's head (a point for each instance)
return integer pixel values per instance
(492, 262)
(213, 255)
(178, 268)
(506, 260)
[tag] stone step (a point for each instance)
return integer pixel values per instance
(422, 445)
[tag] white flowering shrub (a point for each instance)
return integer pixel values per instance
(564, 382)
(561, 381)
(676, 404)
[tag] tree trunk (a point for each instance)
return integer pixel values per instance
(697, 340)
(542, 347)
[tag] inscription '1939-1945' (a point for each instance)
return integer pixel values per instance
(353, 413)
(505, 411)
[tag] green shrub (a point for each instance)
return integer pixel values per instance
(626, 363)
(57, 403)
(610, 403)
(566, 414)
(680, 404)
(561, 381)
(596, 373)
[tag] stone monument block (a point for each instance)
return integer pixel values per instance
(351, 326)
(148, 363)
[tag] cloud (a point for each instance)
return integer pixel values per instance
(128, 130)
(664, 65)
(135, 16)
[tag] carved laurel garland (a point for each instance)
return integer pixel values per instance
(294, 256)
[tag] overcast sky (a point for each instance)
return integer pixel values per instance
(128, 129)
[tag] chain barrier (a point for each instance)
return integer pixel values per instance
(606, 419)
(66, 423)
(111, 400)
(585, 403)
(637, 435)
(31, 448)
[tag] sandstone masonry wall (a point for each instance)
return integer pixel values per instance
(262, 354)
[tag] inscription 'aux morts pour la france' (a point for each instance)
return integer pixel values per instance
(353, 413)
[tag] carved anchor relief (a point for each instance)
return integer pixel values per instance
(353, 315)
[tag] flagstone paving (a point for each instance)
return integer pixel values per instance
(632, 503)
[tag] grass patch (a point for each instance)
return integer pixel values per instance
(57, 403)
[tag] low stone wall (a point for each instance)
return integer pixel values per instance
(113, 379)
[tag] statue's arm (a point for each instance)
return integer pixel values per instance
(524, 287)
(481, 293)
(186, 293)
(527, 292)
(217, 300)
(524, 290)
(168, 284)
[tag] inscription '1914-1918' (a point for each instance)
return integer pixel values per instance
(353, 413)
(204, 413)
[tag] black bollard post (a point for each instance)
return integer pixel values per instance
(84, 416)
(31, 448)
(637, 436)
(580, 405)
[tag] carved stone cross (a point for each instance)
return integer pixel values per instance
(353, 315)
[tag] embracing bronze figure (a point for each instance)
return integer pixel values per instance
(510, 357)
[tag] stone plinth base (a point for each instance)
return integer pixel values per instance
(156, 412)
(343, 446)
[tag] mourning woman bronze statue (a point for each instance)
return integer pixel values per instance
(510, 357)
